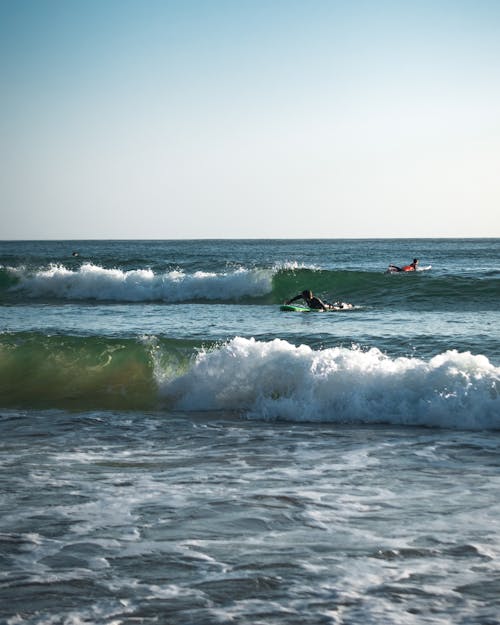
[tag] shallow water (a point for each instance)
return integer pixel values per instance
(195, 519)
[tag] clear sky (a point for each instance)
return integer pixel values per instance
(276, 118)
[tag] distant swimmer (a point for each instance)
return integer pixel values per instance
(311, 300)
(411, 267)
(75, 254)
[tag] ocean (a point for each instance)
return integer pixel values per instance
(175, 449)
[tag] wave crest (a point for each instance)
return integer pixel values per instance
(257, 379)
(277, 380)
(92, 282)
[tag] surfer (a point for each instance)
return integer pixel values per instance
(411, 267)
(311, 300)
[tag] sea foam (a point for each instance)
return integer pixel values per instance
(98, 283)
(277, 380)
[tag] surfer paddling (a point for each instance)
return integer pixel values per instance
(313, 302)
(411, 267)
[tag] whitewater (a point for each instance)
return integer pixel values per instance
(176, 449)
(341, 385)
(94, 282)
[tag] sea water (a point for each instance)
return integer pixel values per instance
(175, 449)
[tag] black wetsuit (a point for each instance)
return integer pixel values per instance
(313, 302)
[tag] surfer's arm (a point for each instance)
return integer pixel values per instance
(294, 299)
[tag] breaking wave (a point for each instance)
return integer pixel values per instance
(92, 282)
(242, 285)
(256, 379)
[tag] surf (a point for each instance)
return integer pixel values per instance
(261, 380)
(341, 386)
(248, 285)
(94, 282)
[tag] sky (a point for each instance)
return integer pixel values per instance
(189, 119)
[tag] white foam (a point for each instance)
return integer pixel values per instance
(277, 380)
(95, 282)
(294, 265)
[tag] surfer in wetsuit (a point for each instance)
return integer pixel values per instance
(311, 300)
(411, 267)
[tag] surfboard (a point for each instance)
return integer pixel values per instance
(391, 270)
(292, 308)
(336, 308)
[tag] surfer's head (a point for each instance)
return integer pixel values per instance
(307, 294)
(415, 261)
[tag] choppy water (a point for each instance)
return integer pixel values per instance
(174, 449)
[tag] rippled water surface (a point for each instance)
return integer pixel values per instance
(163, 518)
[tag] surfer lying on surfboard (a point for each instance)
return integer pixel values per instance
(411, 267)
(313, 302)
